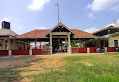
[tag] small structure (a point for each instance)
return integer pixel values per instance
(105, 37)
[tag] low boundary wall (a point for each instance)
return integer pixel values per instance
(91, 49)
(111, 49)
(3, 52)
(47, 51)
(20, 52)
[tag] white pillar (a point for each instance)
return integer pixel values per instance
(105, 49)
(50, 43)
(69, 43)
(10, 52)
(35, 43)
(4, 42)
(88, 50)
(30, 51)
(8, 44)
(65, 40)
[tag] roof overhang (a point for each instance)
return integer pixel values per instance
(106, 31)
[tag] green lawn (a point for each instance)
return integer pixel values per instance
(97, 68)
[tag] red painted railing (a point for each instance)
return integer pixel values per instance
(75, 50)
(3, 52)
(36, 52)
(111, 49)
(82, 50)
(20, 52)
(93, 49)
(46, 51)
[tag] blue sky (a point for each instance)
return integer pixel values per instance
(87, 15)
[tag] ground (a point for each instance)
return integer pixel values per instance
(61, 68)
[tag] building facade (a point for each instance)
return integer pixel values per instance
(59, 38)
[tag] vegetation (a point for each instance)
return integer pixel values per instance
(115, 34)
(95, 68)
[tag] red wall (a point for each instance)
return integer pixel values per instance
(93, 49)
(3, 52)
(46, 51)
(75, 50)
(82, 50)
(20, 52)
(36, 52)
(111, 49)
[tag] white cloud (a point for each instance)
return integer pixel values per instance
(116, 23)
(37, 4)
(6, 19)
(42, 27)
(91, 15)
(113, 24)
(91, 30)
(108, 5)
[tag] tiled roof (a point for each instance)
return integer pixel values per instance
(38, 33)
(110, 27)
(80, 33)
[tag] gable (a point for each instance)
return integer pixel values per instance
(60, 28)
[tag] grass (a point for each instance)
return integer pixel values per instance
(96, 68)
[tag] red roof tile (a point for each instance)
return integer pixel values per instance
(38, 33)
(80, 33)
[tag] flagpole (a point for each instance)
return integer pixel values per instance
(58, 11)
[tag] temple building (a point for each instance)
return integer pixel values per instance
(60, 38)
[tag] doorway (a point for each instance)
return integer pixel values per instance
(58, 46)
(115, 43)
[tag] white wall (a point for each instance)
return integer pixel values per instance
(111, 41)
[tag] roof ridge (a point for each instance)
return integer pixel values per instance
(27, 32)
(43, 29)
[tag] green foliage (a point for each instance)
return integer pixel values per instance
(115, 34)
(73, 44)
(112, 53)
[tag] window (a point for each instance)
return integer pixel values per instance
(115, 43)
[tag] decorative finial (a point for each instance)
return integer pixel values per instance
(60, 21)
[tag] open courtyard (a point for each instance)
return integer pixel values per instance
(96, 67)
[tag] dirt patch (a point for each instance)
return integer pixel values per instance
(45, 65)
(11, 61)
(86, 63)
